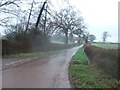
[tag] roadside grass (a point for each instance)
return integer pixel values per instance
(35, 54)
(80, 57)
(82, 75)
(107, 45)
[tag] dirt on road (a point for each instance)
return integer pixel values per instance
(50, 72)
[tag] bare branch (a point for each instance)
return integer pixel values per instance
(8, 3)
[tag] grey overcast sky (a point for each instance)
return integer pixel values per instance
(100, 15)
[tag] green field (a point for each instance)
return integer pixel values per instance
(106, 45)
(56, 41)
(60, 41)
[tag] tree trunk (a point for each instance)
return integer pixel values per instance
(86, 40)
(66, 37)
(79, 39)
(45, 19)
(29, 17)
(38, 19)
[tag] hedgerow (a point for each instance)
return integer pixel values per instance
(106, 59)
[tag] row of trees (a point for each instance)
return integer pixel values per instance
(38, 22)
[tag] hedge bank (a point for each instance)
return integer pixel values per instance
(106, 59)
(13, 47)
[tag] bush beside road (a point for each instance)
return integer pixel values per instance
(10, 47)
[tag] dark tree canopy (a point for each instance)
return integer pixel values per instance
(91, 37)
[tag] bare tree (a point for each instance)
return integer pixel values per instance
(91, 37)
(8, 2)
(67, 21)
(9, 9)
(105, 35)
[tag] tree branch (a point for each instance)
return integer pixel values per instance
(8, 3)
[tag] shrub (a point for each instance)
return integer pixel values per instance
(13, 47)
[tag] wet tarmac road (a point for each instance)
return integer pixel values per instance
(50, 72)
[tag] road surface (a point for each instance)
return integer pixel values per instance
(50, 72)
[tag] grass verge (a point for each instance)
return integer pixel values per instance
(83, 75)
(34, 54)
